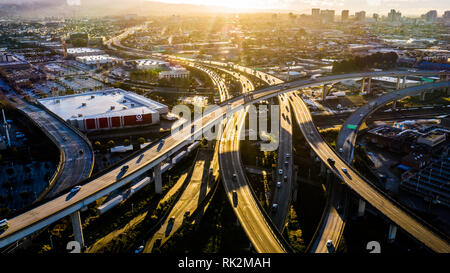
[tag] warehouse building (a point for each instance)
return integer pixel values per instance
(105, 110)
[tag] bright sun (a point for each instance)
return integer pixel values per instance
(234, 4)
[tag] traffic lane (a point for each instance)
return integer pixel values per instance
(282, 195)
(246, 210)
(368, 193)
(233, 102)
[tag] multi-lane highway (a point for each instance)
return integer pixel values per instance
(61, 206)
(77, 156)
(190, 199)
(236, 185)
(347, 137)
(361, 186)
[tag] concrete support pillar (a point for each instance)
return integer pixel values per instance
(77, 228)
(362, 84)
(158, 179)
(422, 96)
(394, 104)
(323, 169)
(392, 232)
(361, 207)
(369, 90)
(404, 82)
(398, 83)
(324, 92)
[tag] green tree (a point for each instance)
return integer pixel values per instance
(141, 140)
(111, 143)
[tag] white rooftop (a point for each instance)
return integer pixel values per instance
(79, 50)
(98, 104)
(150, 62)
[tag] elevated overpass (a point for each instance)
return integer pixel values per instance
(151, 157)
(392, 210)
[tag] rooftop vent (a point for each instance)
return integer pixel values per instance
(132, 105)
(124, 101)
(92, 96)
(113, 107)
(57, 101)
(80, 115)
(83, 104)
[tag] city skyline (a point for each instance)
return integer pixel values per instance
(303, 6)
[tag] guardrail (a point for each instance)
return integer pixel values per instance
(61, 161)
(271, 93)
(389, 198)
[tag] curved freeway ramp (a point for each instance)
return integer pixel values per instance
(75, 167)
(99, 186)
(347, 137)
(362, 187)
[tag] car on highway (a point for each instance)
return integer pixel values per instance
(285, 178)
(234, 177)
(139, 249)
(4, 225)
(344, 170)
(75, 189)
(81, 152)
(186, 214)
(331, 161)
(125, 168)
(171, 220)
(329, 243)
(341, 150)
(274, 207)
(278, 184)
(288, 155)
(280, 171)
(286, 163)
(235, 198)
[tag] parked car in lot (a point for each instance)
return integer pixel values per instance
(278, 184)
(344, 170)
(125, 168)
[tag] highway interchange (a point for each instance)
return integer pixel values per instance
(97, 187)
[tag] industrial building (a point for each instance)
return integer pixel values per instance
(148, 64)
(81, 51)
(106, 109)
(98, 59)
(174, 72)
(430, 183)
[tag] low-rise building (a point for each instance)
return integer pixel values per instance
(174, 72)
(107, 109)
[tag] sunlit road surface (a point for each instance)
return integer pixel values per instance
(76, 167)
(245, 207)
(247, 211)
(189, 200)
(59, 207)
(361, 187)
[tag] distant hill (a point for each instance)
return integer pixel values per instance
(43, 8)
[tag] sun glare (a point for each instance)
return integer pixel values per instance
(232, 4)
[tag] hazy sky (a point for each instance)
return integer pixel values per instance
(407, 7)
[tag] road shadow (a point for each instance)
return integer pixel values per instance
(140, 158)
(120, 174)
(70, 195)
